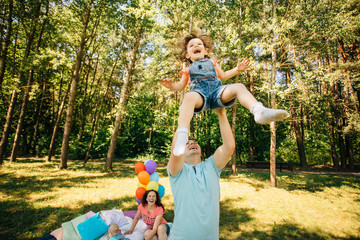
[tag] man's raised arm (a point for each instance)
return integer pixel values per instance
(223, 153)
(175, 162)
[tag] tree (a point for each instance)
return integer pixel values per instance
(123, 97)
(74, 81)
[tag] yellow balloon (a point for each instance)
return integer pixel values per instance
(152, 185)
(141, 185)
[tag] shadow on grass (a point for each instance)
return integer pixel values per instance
(315, 182)
(298, 181)
(231, 217)
(20, 220)
(21, 187)
(284, 232)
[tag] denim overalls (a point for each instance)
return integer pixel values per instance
(205, 82)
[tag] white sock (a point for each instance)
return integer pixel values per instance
(265, 115)
(182, 139)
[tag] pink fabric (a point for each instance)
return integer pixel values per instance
(58, 234)
(186, 70)
(91, 213)
(149, 219)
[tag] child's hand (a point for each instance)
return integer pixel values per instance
(128, 232)
(166, 83)
(241, 66)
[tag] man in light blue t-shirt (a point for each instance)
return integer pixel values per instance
(195, 186)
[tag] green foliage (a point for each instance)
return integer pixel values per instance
(316, 44)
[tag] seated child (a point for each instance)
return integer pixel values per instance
(115, 233)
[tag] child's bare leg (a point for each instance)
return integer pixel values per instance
(191, 101)
(262, 114)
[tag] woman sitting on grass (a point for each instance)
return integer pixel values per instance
(151, 210)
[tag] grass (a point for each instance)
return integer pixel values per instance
(36, 197)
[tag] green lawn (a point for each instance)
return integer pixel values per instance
(37, 197)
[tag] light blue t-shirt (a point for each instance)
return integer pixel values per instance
(196, 191)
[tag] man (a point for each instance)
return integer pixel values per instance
(196, 188)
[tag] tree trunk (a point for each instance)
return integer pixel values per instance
(19, 127)
(331, 123)
(332, 142)
(96, 118)
(71, 103)
(339, 122)
(84, 104)
(34, 138)
(7, 41)
(339, 126)
(56, 125)
(251, 121)
(299, 138)
(21, 76)
(348, 105)
(123, 97)
(273, 103)
(233, 127)
(6, 131)
(350, 150)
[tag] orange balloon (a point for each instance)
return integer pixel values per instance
(139, 167)
(144, 177)
(140, 192)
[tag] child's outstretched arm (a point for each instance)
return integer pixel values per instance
(175, 86)
(241, 66)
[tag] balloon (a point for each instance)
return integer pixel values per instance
(144, 177)
(138, 201)
(150, 166)
(153, 186)
(161, 190)
(139, 167)
(146, 161)
(154, 177)
(141, 185)
(140, 192)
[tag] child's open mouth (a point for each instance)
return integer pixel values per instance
(197, 51)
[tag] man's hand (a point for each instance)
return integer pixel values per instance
(242, 65)
(220, 111)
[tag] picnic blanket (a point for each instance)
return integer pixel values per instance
(70, 229)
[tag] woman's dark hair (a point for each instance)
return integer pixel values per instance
(183, 42)
(157, 202)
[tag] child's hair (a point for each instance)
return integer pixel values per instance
(157, 202)
(183, 42)
(113, 230)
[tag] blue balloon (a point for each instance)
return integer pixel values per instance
(161, 190)
(138, 201)
(150, 166)
(154, 177)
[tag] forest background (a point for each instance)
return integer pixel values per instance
(79, 79)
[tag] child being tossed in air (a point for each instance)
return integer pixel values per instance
(206, 91)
